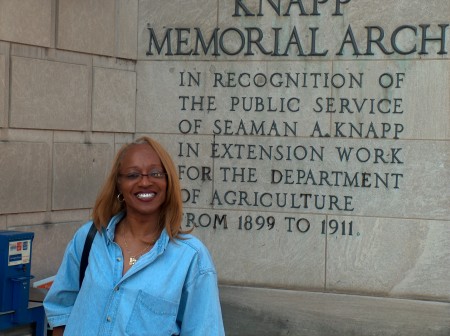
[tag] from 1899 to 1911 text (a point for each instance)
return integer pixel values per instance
(268, 223)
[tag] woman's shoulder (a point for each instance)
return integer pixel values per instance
(198, 250)
(83, 230)
(81, 234)
(191, 241)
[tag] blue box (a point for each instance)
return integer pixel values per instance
(15, 266)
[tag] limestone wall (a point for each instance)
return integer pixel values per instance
(310, 158)
(67, 99)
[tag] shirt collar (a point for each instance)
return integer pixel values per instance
(161, 243)
(111, 228)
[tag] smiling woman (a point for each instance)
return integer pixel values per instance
(148, 276)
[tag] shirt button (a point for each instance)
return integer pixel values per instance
(119, 259)
(108, 319)
(116, 288)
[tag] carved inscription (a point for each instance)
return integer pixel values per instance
(292, 138)
(296, 40)
(279, 163)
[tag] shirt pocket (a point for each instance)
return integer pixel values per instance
(152, 315)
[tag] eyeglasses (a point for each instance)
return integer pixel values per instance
(135, 176)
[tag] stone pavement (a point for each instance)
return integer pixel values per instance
(260, 312)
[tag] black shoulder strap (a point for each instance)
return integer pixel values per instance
(86, 249)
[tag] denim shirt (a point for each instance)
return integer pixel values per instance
(171, 290)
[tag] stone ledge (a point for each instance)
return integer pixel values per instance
(258, 311)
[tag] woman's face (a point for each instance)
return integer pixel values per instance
(142, 181)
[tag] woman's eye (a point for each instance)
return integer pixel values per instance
(157, 174)
(133, 176)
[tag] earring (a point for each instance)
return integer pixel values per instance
(120, 197)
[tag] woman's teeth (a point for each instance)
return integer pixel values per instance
(145, 195)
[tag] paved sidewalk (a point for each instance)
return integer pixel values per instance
(261, 312)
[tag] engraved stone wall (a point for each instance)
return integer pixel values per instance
(311, 138)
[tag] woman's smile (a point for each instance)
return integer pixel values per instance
(146, 196)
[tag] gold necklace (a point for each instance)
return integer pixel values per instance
(134, 258)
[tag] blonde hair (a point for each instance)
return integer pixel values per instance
(107, 203)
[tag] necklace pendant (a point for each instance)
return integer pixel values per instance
(132, 261)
